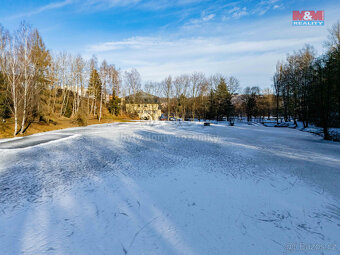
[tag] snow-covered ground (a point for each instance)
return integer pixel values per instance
(170, 188)
(334, 133)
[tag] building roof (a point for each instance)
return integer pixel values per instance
(142, 98)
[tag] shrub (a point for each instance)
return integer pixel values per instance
(81, 119)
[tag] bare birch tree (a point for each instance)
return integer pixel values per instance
(104, 76)
(26, 65)
(133, 83)
(10, 67)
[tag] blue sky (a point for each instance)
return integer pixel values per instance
(242, 38)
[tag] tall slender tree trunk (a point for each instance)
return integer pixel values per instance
(64, 94)
(24, 111)
(88, 104)
(184, 110)
(92, 106)
(80, 95)
(25, 89)
(100, 104)
(277, 108)
(66, 104)
(54, 99)
(168, 108)
(15, 103)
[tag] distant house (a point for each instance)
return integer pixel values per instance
(145, 105)
(145, 111)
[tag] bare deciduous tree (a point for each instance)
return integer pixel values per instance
(133, 83)
(115, 80)
(10, 67)
(25, 48)
(104, 76)
(167, 91)
(233, 85)
(196, 81)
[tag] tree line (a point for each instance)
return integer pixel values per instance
(307, 87)
(214, 97)
(195, 95)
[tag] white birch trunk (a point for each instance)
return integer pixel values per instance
(100, 104)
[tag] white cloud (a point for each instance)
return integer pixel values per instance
(203, 19)
(266, 5)
(100, 4)
(96, 5)
(195, 45)
(239, 13)
(208, 17)
(249, 50)
(146, 4)
(50, 6)
(156, 57)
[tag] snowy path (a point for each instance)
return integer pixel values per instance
(164, 188)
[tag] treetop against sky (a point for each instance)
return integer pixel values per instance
(240, 38)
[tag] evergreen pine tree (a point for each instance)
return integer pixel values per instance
(5, 112)
(212, 106)
(223, 100)
(114, 104)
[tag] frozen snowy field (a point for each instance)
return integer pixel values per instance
(165, 188)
